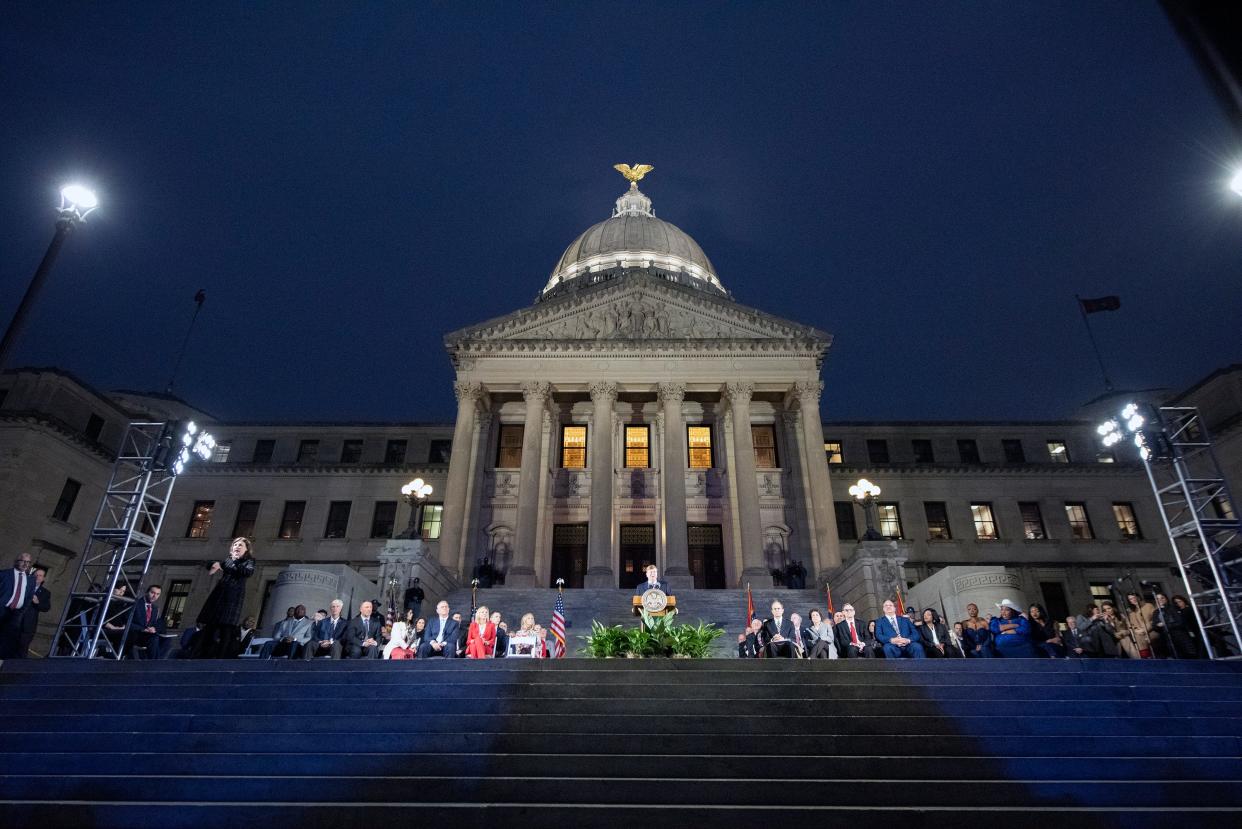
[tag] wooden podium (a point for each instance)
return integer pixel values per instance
(637, 603)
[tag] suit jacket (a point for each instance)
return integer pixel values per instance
(751, 648)
(884, 632)
(450, 632)
(942, 633)
(357, 632)
(30, 615)
(481, 643)
(8, 577)
(138, 617)
(1072, 639)
(842, 630)
(770, 630)
(328, 631)
(645, 585)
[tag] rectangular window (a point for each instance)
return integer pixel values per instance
(394, 452)
(764, 439)
(1101, 593)
(832, 449)
(1105, 456)
(937, 520)
(433, 518)
(247, 515)
(351, 451)
(985, 523)
(308, 451)
(200, 519)
(637, 447)
(889, 518)
(1127, 521)
(1080, 524)
(439, 451)
(383, 519)
(68, 495)
(923, 451)
(94, 425)
(221, 455)
(1014, 453)
(1058, 451)
(573, 447)
(877, 451)
(1032, 521)
(263, 451)
(338, 519)
(700, 440)
(847, 530)
(509, 447)
(174, 603)
(968, 451)
(291, 520)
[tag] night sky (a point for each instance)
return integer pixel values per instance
(931, 183)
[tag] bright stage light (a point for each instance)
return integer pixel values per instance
(187, 442)
(1235, 183)
(78, 197)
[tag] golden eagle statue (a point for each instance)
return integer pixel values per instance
(635, 173)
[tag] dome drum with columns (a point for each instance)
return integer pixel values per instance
(636, 413)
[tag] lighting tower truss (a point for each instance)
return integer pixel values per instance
(118, 549)
(1200, 516)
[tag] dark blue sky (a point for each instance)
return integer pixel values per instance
(931, 183)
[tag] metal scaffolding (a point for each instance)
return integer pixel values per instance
(118, 550)
(1200, 516)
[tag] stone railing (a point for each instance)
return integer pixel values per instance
(571, 483)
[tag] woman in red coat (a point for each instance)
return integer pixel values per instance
(481, 643)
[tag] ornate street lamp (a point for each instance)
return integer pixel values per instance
(865, 493)
(76, 202)
(415, 492)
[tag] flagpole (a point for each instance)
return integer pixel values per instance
(1108, 384)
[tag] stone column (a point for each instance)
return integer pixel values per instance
(522, 572)
(746, 486)
(826, 544)
(469, 396)
(599, 544)
(673, 471)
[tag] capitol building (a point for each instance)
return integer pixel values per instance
(634, 413)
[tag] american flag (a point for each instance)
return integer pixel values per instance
(558, 626)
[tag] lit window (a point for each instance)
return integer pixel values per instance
(889, 518)
(221, 455)
(338, 519)
(832, 448)
(1105, 457)
(985, 523)
(1101, 593)
(937, 521)
(573, 447)
(637, 447)
(764, 440)
(1080, 524)
(174, 605)
(1127, 521)
(433, 518)
(700, 439)
(291, 520)
(1058, 451)
(1032, 521)
(509, 450)
(200, 519)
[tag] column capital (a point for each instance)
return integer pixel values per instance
(808, 391)
(468, 391)
(739, 392)
(603, 393)
(671, 392)
(536, 391)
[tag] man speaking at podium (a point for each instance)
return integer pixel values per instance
(652, 583)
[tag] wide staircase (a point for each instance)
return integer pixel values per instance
(726, 608)
(531, 744)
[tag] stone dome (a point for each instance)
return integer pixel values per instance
(632, 239)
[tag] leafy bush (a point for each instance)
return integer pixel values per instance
(657, 636)
(605, 642)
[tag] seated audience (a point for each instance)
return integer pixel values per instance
(502, 635)
(481, 637)
(874, 647)
(1072, 639)
(1096, 634)
(750, 643)
(1045, 635)
(778, 633)
(440, 637)
(800, 635)
(838, 617)
(821, 638)
(897, 635)
(187, 648)
(851, 640)
(1011, 633)
(957, 641)
(979, 644)
(290, 636)
(399, 644)
(245, 634)
(326, 640)
(362, 635)
(145, 627)
(934, 635)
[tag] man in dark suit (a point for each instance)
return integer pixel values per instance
(1074, 647)
(778, 632)
(653, 581)
(750, 643)
(145, 626)
(362, 634)
(40, 602)
(17, 589)
(440, 637)
(326, 639)
(897, 635)
(851, 635)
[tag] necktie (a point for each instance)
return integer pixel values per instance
(148, 615)
(798, 637)
(19, 590)
(853, 635)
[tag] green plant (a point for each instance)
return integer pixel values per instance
(605, 642)
(656, 636)
(695, 641)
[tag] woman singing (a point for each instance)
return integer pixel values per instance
(222, 611)
(482, 641)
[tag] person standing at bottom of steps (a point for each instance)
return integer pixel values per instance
(221, 613)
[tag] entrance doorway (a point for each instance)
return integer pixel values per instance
(706, 556)
(637, 551)
(569, 554)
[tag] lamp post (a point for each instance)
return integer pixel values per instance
(865, 493)
(415, 492)
(76, 202)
